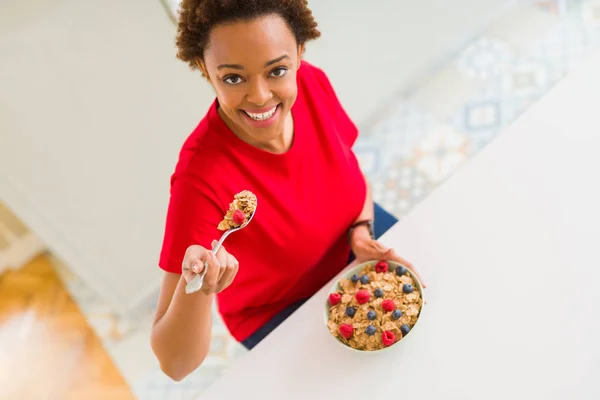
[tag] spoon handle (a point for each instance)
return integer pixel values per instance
(196, 283)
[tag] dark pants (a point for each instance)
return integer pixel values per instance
(383, 222)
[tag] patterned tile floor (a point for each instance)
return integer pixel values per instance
(431, 129)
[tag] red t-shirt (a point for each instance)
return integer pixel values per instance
(307, 199)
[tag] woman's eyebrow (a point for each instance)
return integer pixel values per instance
(241, 67)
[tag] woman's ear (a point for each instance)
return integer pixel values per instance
(202, 68)
(300, 54)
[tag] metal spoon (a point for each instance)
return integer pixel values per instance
(196, 283)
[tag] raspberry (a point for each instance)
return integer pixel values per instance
(334, 298)
(362, 296)
(381, 266)
(388, 305)
(346, 330)
(238, 217)
(388, 338)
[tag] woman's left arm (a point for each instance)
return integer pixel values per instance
(365, 247)
(368, 210)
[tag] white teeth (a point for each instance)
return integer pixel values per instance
(262, 116)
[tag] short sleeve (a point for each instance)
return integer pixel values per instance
(347, 128)
(192, 219)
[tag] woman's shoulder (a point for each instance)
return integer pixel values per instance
(310, 72)
(202, 152)
(315, 84)
(317, 89)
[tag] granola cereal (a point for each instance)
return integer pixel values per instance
(240, 210)
(384, 317)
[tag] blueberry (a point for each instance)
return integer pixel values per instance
(354, 278)
(405, 329)
(400, 270)
(370, 330)
(364, 279)
(350, 311)
(371, 315)
(396, 314)
(378, 293)
(407, 288)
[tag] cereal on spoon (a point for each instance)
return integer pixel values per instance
(240, 210)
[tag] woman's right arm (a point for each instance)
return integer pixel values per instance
(181, 331)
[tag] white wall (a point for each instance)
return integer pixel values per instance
(94, 108)
(372, 52)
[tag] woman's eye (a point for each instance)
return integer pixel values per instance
(279, 72)
(232, 80)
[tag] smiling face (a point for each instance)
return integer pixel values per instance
(252, 66)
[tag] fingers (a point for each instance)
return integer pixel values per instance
(394, 257)
(224, 271)
(380, 248)
(221, 269)
(212, 274)
(222, 257)
(230, 272)
(378, 251)
(194, 258)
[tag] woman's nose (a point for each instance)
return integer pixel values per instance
(260, 93)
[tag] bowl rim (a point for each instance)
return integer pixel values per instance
(351, 271)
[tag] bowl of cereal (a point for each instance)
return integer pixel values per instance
(374, 305)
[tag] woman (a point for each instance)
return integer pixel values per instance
(277, 129)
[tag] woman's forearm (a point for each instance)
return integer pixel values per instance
(361, 232)
(368, 208)
(181, 337)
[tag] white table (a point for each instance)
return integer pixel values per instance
(509, 249)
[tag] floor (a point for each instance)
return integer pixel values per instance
(429, 131)
(47, 349)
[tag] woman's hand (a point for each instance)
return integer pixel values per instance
(222, 268)
(365, 248)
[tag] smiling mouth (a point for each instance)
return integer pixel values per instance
(262, 116)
